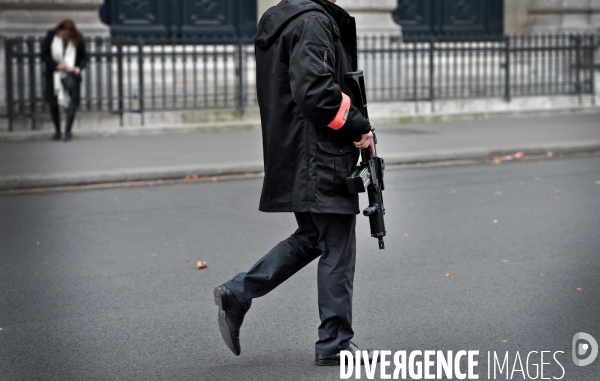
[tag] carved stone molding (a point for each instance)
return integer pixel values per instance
(34, 17)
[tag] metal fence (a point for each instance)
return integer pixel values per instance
(511, 66)
(124, 75)
(199, 73)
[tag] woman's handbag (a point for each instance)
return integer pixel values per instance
(69, 82)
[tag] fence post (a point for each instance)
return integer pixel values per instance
(592, 69)
(415, 88)
(507, 68)
(431, 73)
(141, 76)
(31, 61)
(578, 67)
(120, 78)
(240, 70)
(9, 83)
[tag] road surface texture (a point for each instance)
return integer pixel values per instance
(96, 285)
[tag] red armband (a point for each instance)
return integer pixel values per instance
(340, 119)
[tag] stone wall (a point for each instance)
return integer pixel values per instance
(35, 17)
(551, 16)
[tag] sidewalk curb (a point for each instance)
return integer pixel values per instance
(253, 124)
(181, 171)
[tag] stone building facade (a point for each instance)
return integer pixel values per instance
(550, 16)
(33, 17)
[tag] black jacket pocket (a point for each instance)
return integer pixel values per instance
(334, 162)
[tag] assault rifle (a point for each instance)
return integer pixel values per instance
(369, 175)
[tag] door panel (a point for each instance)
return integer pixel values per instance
(179, 18)
(450, 18)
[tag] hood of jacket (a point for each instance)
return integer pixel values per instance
(275, 19)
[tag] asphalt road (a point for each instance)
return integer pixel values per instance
(95, 284)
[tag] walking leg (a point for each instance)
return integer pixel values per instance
(283, 261)
(335, 281)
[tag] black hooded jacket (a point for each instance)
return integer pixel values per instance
(304, 48)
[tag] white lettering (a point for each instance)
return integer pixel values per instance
(411, 366)
(472, 364)
(514, 368)
(459, 375)
(427, 364)
(370, 366)
(535, 366)
(400, 365)
(559, 364)
(504, 363)
(445, 364)
(346, 372)
(357, 366)
(542, 363)
(384, 364)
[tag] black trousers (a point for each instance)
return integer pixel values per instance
(331, 237)
(54, 112)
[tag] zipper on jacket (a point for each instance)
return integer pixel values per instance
(325, 60)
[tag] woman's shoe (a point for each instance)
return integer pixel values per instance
(56, 136)
(68, 136)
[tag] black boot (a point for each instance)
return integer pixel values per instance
(56, 120)
(231, 316)
(334, 360)
(70, 119)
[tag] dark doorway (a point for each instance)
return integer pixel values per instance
(180, 18)
(450, 19)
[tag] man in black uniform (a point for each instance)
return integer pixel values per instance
(310, 128)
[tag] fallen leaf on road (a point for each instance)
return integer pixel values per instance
(496, 160)
(554, 197)
(187, 260)
(578, 289)
(542, 274)
(543, 299)
(191, 177)
(201, 265)
(549, 154)
(448, 274)
(495, 221)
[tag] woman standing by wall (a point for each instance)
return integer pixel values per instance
(63, 52)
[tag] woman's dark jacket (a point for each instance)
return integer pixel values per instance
(304, 48)
(81, 59)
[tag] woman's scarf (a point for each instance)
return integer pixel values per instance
(67, 56)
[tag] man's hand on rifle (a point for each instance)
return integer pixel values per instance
(366, 141)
